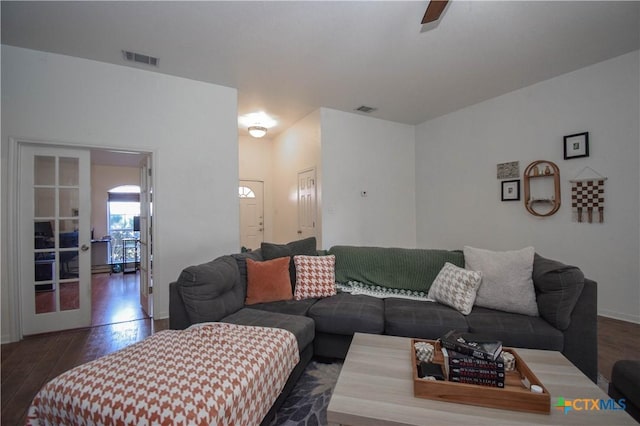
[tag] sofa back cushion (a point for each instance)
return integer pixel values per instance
(304, 247)
(212, 290)
(410, 269)
(241, 260)
(558, 287)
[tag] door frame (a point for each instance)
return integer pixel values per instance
(11, 266)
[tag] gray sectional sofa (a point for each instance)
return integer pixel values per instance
(215, 291)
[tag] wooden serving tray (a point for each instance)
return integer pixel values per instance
(514, 396)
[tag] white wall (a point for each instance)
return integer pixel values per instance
(190, 126)
(104, 178)
(256, 163)
(458, 195)
(377, 156)
(295, 150)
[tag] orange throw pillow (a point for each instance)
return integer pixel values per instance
(268, 281)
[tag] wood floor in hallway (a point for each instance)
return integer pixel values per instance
(115, 298)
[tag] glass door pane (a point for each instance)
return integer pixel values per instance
(56, 248)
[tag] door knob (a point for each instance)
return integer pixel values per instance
(84, 247)
(260, 230)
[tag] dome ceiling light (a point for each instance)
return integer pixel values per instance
(257, 123)
(257, 131)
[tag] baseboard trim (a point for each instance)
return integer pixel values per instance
(6, 338)
(619, 316)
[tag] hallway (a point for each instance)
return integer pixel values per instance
(115, 298)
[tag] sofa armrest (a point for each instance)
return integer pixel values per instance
(206, 292)
(178, 318)
(581, 337)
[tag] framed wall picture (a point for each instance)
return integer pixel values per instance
(511, 190)
(509, 170)
(576, 146)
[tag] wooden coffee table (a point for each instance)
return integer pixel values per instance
(375, 387)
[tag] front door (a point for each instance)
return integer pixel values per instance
(251, 214)
(54, 238)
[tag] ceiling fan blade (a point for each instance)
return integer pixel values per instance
(434, 10)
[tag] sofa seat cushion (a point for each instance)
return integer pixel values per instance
(515, 330)
(348, 314)
(291, 307)
(421, 319)
(301, 327)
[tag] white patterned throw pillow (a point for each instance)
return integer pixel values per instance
(456, 287)
(315, 276)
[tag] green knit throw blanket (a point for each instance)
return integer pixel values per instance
(411, 269)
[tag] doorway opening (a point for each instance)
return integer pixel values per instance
(251, 195)
(60, 200)
(119, 188)
(115, 285)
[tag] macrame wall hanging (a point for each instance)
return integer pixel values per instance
(587, 196)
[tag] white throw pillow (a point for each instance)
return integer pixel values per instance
(455, 287)
(315, 276)
(507, 283)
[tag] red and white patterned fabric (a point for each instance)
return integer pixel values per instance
(315, 276)
(212, 374)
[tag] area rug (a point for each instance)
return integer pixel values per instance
(307, 403)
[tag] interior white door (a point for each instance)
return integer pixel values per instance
(251, 213)
(307, 203)
(146, 277)
(54, 238)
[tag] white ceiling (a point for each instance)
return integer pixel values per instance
(290, 58)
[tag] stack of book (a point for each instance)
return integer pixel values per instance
(472, 359)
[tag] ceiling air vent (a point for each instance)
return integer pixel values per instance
(365, 109)
(140, 58)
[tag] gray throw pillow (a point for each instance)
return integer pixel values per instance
(507, 283)
(304, 247)
(558, 287)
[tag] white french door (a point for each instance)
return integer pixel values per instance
(54, 210)
(146, 193)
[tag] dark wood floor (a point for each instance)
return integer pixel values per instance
(115, 298)
(616, 340)
(29, 364)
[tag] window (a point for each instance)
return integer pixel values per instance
(246, 192)
(122, 207)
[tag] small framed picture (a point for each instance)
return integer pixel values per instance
(576, 146)
(511, 190)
